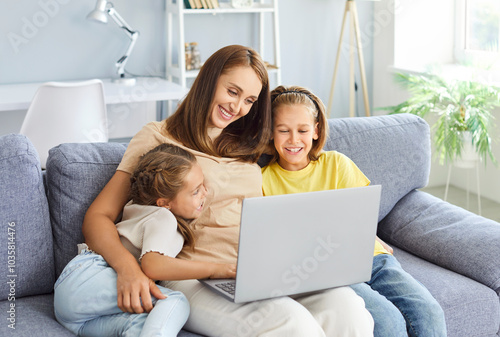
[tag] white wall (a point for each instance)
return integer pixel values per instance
(310, 33)
(410, 38)
(44, 40)
(425, 33)
(51, 40)
(489, 175)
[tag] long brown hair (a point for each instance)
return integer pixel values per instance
(292, 95)
(160, 173)
(245, 138)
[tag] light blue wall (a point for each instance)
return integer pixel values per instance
(42, 40)
(52, 40)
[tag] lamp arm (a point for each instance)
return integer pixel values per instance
(120, 64)
(120, 21)
(133, 35)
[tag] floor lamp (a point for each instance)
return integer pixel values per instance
(354, 37)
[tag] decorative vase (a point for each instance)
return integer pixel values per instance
(469, 157)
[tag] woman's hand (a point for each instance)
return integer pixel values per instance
(224, 270)
(135, 290)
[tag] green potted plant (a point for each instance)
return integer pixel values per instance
(462, 112)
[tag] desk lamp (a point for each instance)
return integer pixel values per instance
(102, 8)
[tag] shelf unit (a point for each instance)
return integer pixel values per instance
(175, 25)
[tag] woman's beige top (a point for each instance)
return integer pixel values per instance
(228, 181)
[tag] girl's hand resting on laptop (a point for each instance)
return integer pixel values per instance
(223, 270)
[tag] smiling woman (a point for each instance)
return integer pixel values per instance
(232, 83)
(235, 94)
(225, 122)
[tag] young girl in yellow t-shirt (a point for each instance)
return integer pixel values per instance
(399, 304)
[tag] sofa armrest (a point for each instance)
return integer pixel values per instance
(26, 250)
(445, 235)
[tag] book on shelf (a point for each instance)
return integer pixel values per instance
(201, 4)
(189, 4)
(198, 4)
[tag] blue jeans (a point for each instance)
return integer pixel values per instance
(399, 304)
(85, 302)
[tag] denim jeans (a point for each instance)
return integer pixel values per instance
(85, 302)
(400, 305)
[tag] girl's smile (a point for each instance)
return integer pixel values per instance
(294, 150)
(293, 133)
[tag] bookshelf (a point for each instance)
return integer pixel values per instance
(176, 12)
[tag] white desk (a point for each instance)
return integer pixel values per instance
(147, 89)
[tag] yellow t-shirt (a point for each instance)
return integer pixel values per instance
(332, 170)
(228, 182)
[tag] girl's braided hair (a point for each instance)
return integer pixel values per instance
(160, 173)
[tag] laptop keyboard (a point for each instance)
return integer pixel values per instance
(227, 286)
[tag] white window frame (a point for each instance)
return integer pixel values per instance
(461, 53)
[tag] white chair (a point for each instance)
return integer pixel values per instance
(66, 113)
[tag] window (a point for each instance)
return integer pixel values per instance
(459, 38)
(478, 32)
(482, 27)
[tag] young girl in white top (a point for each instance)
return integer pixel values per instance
(167, 189)
(399, 304)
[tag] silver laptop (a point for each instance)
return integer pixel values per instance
(305, 242)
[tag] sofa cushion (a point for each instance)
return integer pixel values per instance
(76, 173)
(35, 317)
(446, 235)
(470, 308)
(395, 144)
(26, 254)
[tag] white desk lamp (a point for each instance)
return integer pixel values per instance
(102, 8)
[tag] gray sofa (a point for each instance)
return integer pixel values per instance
(451, 251)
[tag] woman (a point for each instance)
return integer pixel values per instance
(225, 121)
